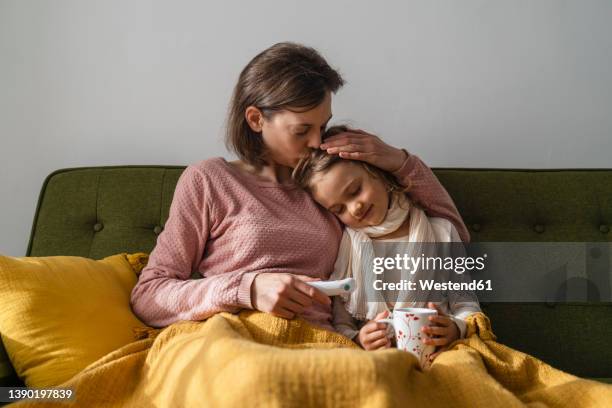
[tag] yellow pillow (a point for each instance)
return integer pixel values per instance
(59, 314)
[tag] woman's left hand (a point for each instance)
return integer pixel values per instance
(356, 144)
(444, 328)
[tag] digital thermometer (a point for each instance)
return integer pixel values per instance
(334, 288)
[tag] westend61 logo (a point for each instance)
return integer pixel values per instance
(428, 263)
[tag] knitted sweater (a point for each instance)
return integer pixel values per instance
(229, 226)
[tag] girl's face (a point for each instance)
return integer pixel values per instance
(289, 135)
(357, 198)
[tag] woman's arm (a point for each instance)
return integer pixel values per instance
(427, 191)
(164, 292)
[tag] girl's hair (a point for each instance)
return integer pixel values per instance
(286, 76)
(319, 161)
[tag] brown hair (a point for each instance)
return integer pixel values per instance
(319, 161)
(286, 76)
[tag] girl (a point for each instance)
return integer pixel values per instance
(375, 208)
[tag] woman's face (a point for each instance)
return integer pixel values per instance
(356, 197)
(289, 135)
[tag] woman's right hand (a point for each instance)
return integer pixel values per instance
(285, 294)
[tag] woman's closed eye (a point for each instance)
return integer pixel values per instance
(305, 132)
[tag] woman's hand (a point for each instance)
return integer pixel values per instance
(443, 328)
(284, 294)
(373, 335)
(356, 144)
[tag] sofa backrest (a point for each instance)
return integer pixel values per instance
(99, 211)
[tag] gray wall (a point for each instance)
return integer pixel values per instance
(460, 83)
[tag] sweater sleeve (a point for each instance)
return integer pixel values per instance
(164, 292)
(426, 190)
(343, 322)
(461, 303)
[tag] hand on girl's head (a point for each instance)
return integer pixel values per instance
(357, 144)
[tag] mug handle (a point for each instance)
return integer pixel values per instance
(386, 321)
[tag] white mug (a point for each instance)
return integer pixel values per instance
(407, 323)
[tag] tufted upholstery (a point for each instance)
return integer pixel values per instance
(532, 205)
(100, 211)
(94, 212)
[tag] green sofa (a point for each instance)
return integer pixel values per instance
(99, 211)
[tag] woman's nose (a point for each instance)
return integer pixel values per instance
(315, 140)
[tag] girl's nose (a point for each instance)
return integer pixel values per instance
(358, 209)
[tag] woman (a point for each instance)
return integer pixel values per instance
(244, 226)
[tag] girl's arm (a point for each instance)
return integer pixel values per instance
(427, 191)
(164, 292)
(460, 311)
(461, 303)
(343, 322)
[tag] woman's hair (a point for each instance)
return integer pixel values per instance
(286, 76)
(319, 161)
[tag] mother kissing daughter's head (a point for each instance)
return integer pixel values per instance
(243, 227)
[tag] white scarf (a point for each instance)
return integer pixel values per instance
(356, 254)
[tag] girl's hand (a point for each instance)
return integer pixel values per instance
(285, 294)
(356, 144)
(373, 335)
(443, 328)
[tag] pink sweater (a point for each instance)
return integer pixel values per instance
(230, 226)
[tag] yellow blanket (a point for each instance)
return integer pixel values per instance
(255, 359)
